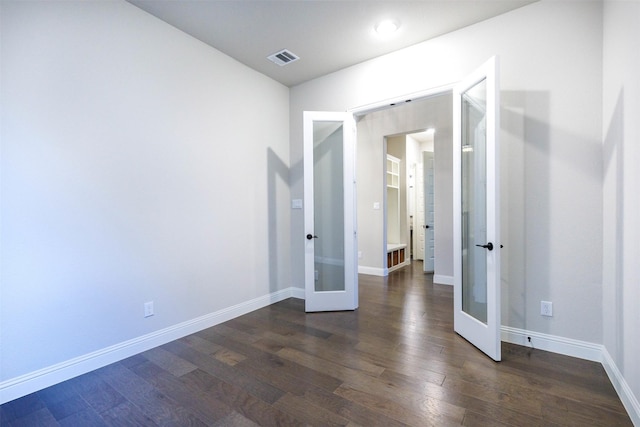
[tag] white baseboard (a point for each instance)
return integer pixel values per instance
(627, 397)
(567, 346)
(582, 350)
(33, 381)
(443, 280)
(373, 271)
(297, 293)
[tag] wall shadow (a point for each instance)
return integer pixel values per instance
(277, 170)
(525, 206)
(613, 158)
(550, 176)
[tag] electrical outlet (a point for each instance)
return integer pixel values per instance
(359, 254)
(148, 309)
(546, 308)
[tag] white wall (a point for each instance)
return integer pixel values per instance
(131, 172)
(621, 202)
(551, 55)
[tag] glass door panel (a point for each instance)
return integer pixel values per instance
(474, 206)
(328, 206)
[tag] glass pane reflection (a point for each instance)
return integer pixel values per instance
(328, 202)
(474, 209)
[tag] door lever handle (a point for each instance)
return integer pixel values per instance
(488, 246)
(311, 236)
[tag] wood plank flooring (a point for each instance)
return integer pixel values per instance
(393, 362)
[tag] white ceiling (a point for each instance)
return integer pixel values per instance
(423, 137)
(327, 35)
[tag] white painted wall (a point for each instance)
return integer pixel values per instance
(621, 202)
(552, 123)
(130, 174)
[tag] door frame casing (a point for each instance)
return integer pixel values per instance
(385, 104)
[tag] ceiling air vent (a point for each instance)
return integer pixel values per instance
(283, 57)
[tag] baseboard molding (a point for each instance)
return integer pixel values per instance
(26, 384)
(297, 293)
(627, 397)
(567, 346)
(443, 280)
(372, 271)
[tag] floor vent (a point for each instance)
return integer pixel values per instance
(283, 57)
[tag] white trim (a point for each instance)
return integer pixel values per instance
(553, 343)
(398, 100)
(372, 271)
(297, 293)
(442, 280)
(14, 388)
(625, 393)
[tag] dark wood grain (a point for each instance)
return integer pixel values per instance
(395, 361)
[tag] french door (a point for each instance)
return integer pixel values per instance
(331, 274)
(476, 108)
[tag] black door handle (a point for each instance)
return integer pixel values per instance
(311, 236)
(487, 246)
(426, 226)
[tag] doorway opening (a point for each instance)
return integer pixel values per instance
(392, 219)
(409, 199)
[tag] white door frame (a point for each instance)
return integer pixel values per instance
(394, 102)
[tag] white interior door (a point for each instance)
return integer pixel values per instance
(476, 209)
(429, 201)
(331, 275)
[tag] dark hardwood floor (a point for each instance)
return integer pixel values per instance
(395, 361)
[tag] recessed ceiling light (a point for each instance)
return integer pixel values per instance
(386, 27)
